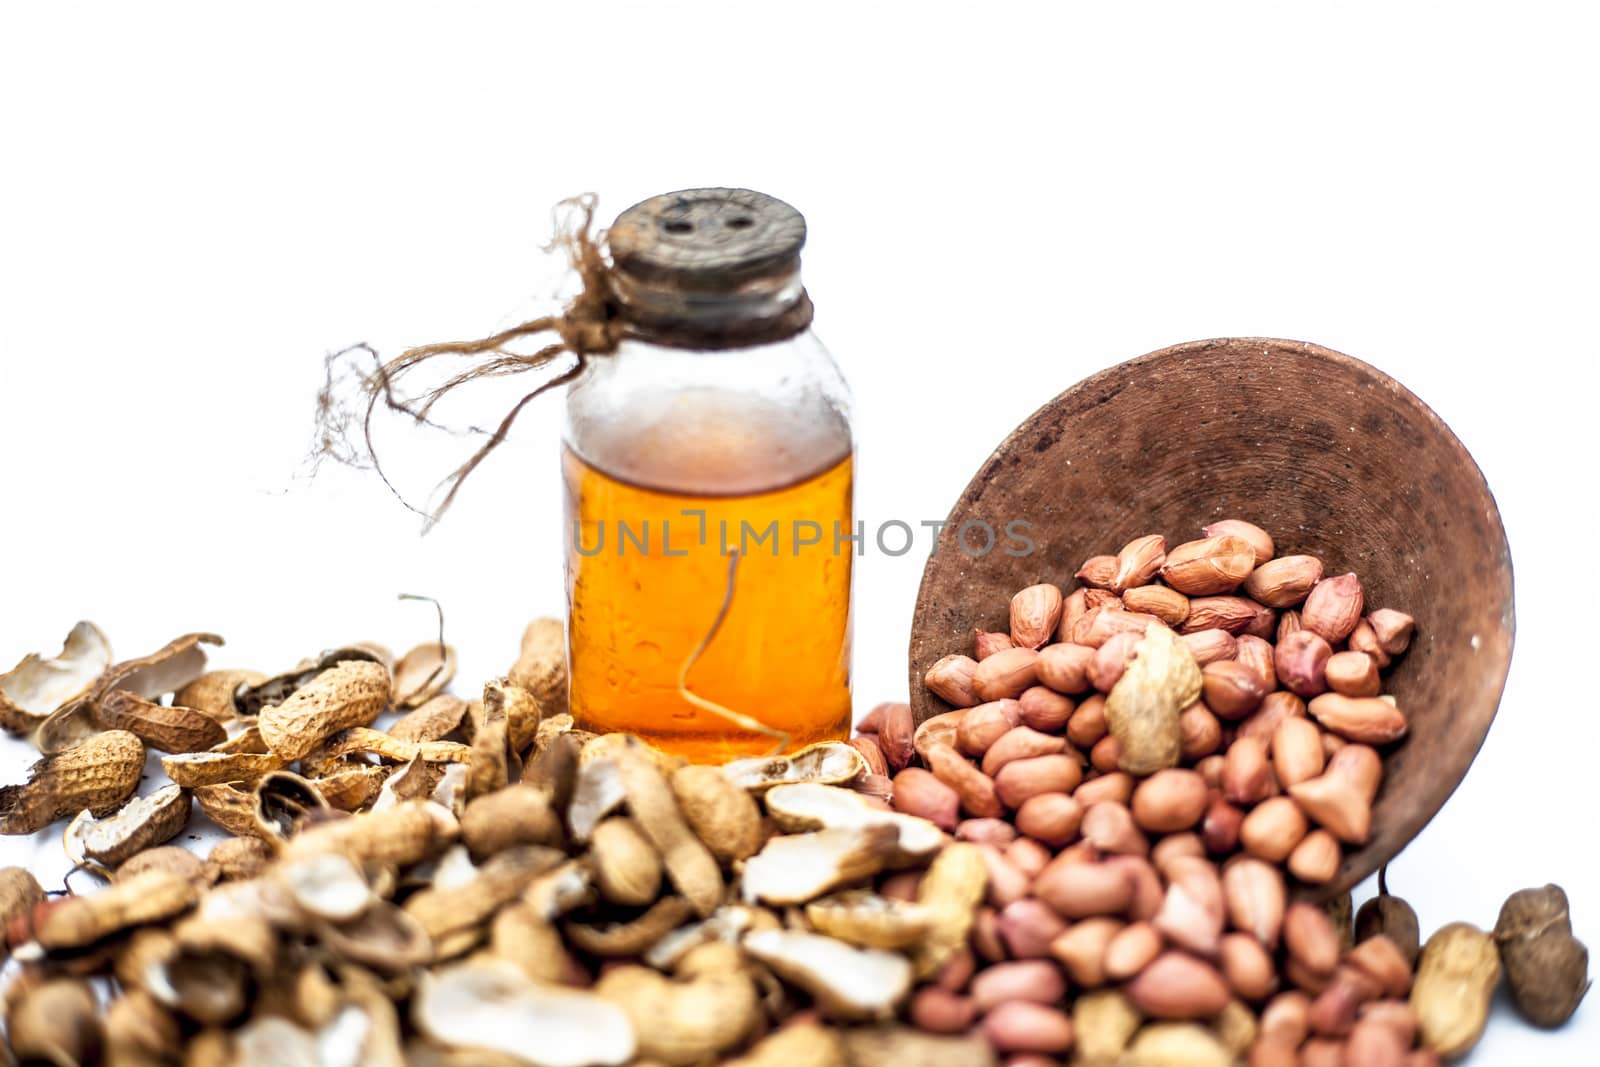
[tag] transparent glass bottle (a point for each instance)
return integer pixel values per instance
(708, 473)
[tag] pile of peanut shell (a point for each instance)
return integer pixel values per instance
(479, 883)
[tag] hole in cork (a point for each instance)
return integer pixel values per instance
(677, 226)
(740, 222)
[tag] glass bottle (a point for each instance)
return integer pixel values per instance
(708, 474)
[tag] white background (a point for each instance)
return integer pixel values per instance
(197, 202)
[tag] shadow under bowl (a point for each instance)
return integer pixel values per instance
(1330, 456)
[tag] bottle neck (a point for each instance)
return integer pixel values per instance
(759, 310)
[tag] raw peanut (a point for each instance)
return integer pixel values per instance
(897, 736)
(1080, 890)
(1028, 928)
(872, 752)
(1006, 884)
(1098, 571)
(1257, 654)
(1246, 774)
(952, 679)
(1038, 980)
(1142, 709)
(1168, 605)
(1178, 986)
(1232, 614)
(1050, 817)
(1235, 1027)
(1285, 581)
(1263, 626)
(1101, 625)
(1081, 949)
(627, 868)
(986, 935)
(1315, 860)
(1028, 856)
(1035, 613)
(1354, 674)
(1247, 966)
(986, 643)
(1275, 707)
(1101, 598)
(1287, 1015)
(1169, 801)
(937, 730)
(1134, 946)
(1372, 1044)
(1333, 607)
(919, 792)
(1382, 961)
(1117, 786)
(1192, 912)
(1006, 674)
(1288, 623)
(1111, 659)
(1368, 720)
(972, 786)
(1301, 660)
(1020, 1026)
(1273, 829)
(1212, 565)
(1364, 639)
(1211, 646)
(1110, 828)
(1232, 689)
(1139, 561)
(1310, 938)
(1103, 1023)
(1199, 730)
(1145, 901)
(1220, 827)
(870, 723)
(1360, 766)
(1020, 742)
(1210, 768)
(1259, 540)
(985, 724)
(1106, 755)
(1304, 978)
(1022, 779)
(1394, 1014)
(1392, 629)
(1044, 709)
(956, 971)
(1274, 1051)
(1336, 805)
(1322, 1052)
(942, 1012)
(1088, 724)
(985, 831)
(1073, 608)
(1065, 667)
(1333, 1012)
(1254, 893)
(1176, 846)
(1296, 751)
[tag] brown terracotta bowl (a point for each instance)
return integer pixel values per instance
(1329, 455)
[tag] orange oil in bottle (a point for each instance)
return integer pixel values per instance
(647, 576)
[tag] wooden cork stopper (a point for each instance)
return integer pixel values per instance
(707, 240)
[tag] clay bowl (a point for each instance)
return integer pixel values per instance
(1329, 455)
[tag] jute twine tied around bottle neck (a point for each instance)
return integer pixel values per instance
(699, 269)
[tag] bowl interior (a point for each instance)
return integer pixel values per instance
(1330, 456)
